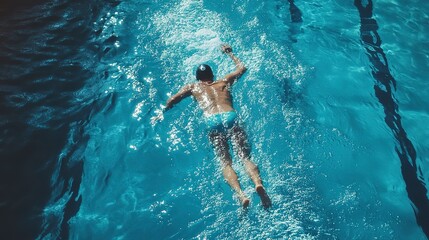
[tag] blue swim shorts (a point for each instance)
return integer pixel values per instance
(221, 121)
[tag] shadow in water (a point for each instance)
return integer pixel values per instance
(384, 85)
(295, 13)
(296, 18)
(45, 62)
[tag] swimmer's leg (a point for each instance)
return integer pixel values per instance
(220, 144)
(242, 148)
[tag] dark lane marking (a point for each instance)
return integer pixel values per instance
(411, 173)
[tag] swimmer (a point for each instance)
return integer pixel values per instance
(214, 98)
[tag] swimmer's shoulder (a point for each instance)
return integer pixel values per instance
(221, 82)
(200, 86)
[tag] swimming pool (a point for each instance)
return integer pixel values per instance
(334, 103)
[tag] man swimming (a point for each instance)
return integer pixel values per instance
(214, 98)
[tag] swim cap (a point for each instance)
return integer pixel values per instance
(204, 72)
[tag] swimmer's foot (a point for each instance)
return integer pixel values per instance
(245, 203)
(244, 200)
(265, 199)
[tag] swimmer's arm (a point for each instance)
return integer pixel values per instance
(240, 69)
(186, 91)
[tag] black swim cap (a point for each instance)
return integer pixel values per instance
(204, 72)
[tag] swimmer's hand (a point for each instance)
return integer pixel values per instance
(158, 117)
(154, 120)
(225, 48)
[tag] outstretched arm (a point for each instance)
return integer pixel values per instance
(240, 69)
(176, 98)
(186, 91)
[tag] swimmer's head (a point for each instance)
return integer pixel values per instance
(204, 73)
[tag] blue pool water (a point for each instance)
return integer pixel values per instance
(334, 103)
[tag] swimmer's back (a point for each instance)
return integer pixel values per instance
(213, 97)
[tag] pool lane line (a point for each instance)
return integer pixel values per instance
(411, 173)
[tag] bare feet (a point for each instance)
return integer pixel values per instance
(266, 201)
(244, 200)
(245, 203)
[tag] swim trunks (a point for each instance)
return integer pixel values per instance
(221, 121)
